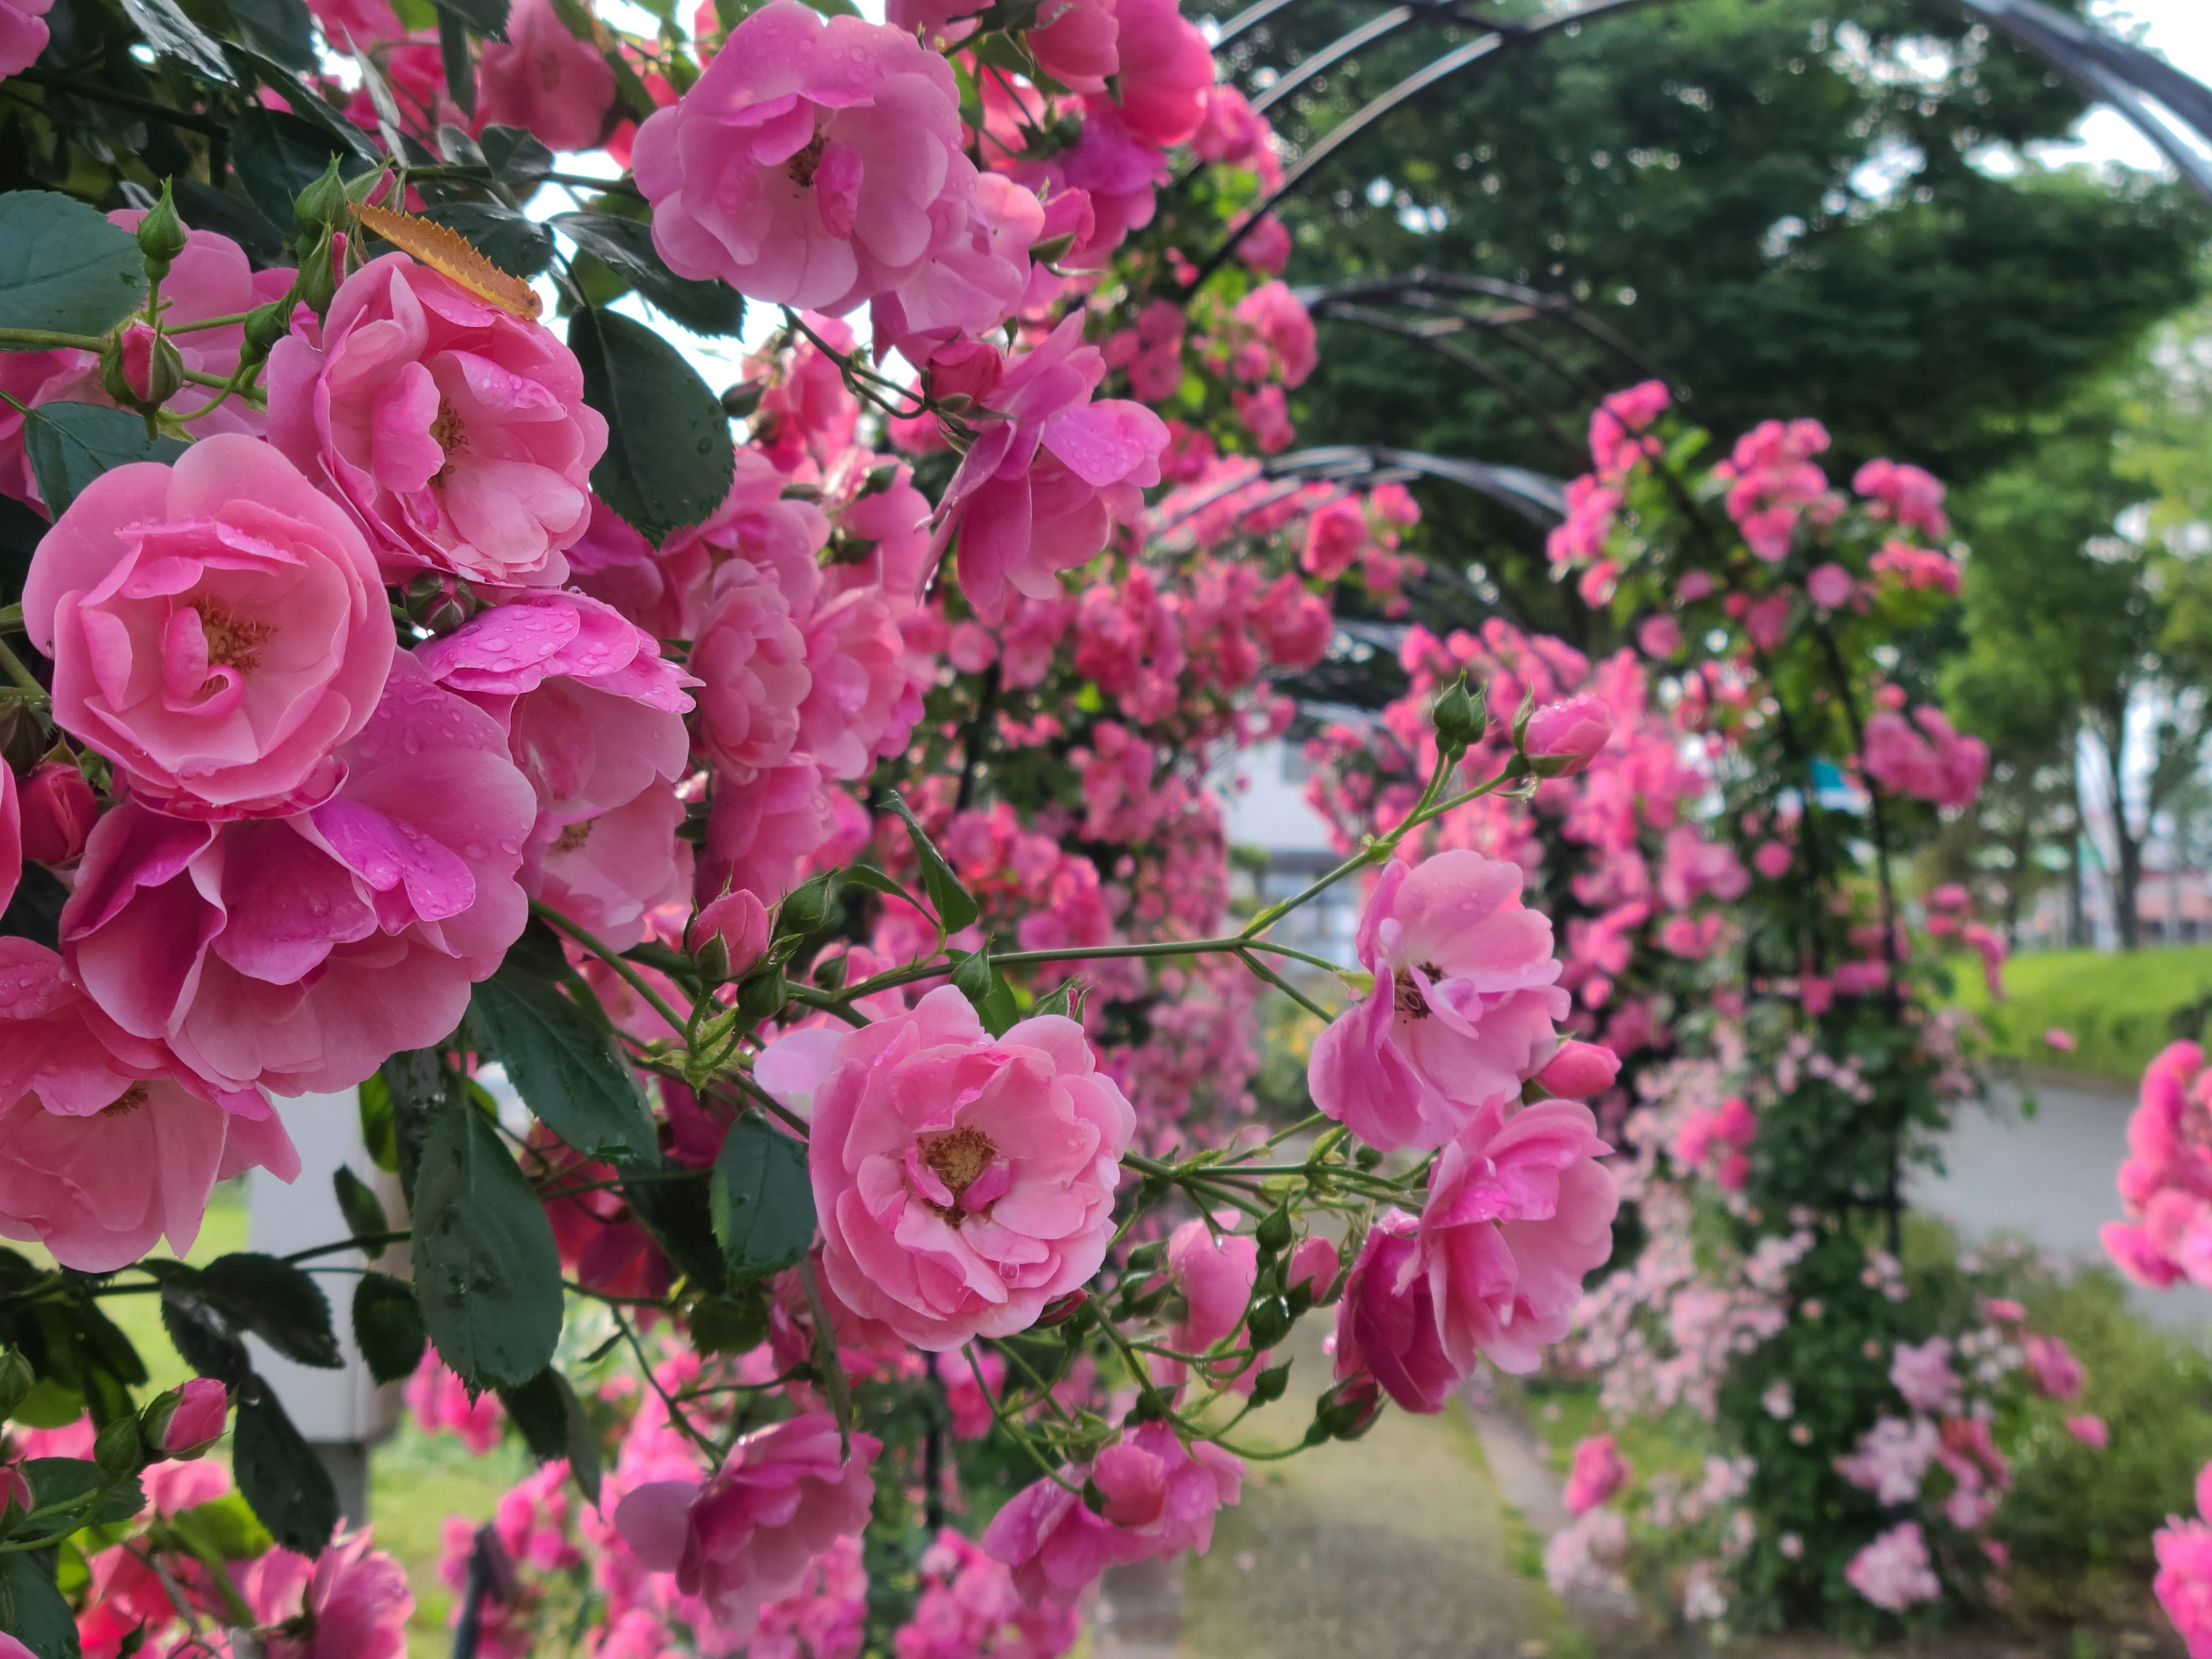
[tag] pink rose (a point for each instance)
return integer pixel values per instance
(746, 1535)
(11, 835)
(1922, 1373)
(1040, 489)
(1336, 535)
(2058, 1038)
(58, 808)
(22, 33)
(1214, 1274)
(299, 952)
(1314, 1264)
(866, 685)
(1166, 71)
(1579, 1070)
(1077, 42)
(102, 1150)
(218, 627)
(1893, 1571)
(1562, 738)
(1292, 626)
(739, 921)
(197, 1413)
(2090, 1431)
(752, 661)
(815, 164)
(364, 22)
(455, 432)
(762, 826)
(1160, 1500)
(1461, 1008)
(1388, 1332)
(542, 79)
(1830, 585)
(350, 1602)
(2052, 1367)
(962, 1182)
(1659, 637)
(1598, 1471)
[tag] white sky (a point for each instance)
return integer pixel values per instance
(2181, 30)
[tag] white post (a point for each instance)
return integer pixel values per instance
(342, 1412)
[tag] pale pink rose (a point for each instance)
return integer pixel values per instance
(542, 79)
(1166, 71)
(1562, 738)
(1922, 1373)
(1040, 489)
(350, 1602)
(102, 1150)
(1579, 1070)
(1892, 1459)
(195, 1419)
(1519, 1210)
(218, 627)
(298, 953)
(746, 1535)
(456, 432)
(58, 808)
(2090, 1431)
(1160, 1500)
(815, 164)
(866, 685)
(962, 1182)
(1461, 1008)
(22, 33)
(1598, 1471)
(762, 828)
(750, 659)
(1214, 1274)
(2052, 1368)
(1893, 1572)
(1077, 43)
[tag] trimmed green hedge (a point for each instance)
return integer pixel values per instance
(2121, 1008)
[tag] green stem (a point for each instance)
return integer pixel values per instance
(1283, 985)
(551, 917)
(1014, 1430)
(13, 667)
(44, 339)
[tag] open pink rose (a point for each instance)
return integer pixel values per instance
(815, 164)
(1040, 489)
(218, 627)
(963, 1181)
(102, 1150)
(1598, 1471)
(865, 684)
(298, 953)
(1461, 1008)
(22, 33)
(746, 1535)
(545, 81)
(352, 1601)
(1166, 70)
(752, 661)
(456, 432)
(1160, 1500)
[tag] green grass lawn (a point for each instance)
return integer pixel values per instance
(2120, 1007)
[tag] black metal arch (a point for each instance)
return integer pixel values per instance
(2111, 70)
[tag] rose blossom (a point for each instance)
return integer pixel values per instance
(195, 1420)
(1562, 738)
(1160, 1500)
(1314, 1264)
(218, 627)
(350, 1602)
(1462, 1003)
(1893, 1571)
(815, 164)
(1923, 1375)
(58, 809)
(2053, 1368)
(962, 1180)
(2090, 1431)
(1579, 1070)
(299, 952)
(456, 432)
(1048, 474)
(746, 1535)
(11, 835)
(22, 33)
(1599, 1471)
(1214, 1274)
(542, 79)
(762, 827)
(102, 1150)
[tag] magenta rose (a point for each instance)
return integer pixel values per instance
(218, 628)
(102, 1150)
(815, 164)
(1159, 1498)
(457, 433)
(1461, 1008)
(545, 81)
(745, 1536)
(1597, 1472)
(298, 953)
(963, 1181)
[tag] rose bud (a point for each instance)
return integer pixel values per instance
(1578, 1071)
(1560, 739)
(57, 808)
(185, 1421)
(729, 935)
(1314, 1266)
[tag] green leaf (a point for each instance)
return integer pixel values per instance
(276, 155)
(736, 1323)
(277, 1301)
(226, 1525)
(514, 157)
(280, 29)
(63, 268)
(554, 1425)
(387, 1326)
(486, 1272)
(63, 1480)
(200, 1333)
(625, 246)
(379, 1134)
(362, 1209)
(680, 1219)
(954, 905)
(454, 58)
(170, 33)
(71, 444)
(31, 1608)
(519, 246)
(288, 1488)
(669, 457)
(564, 1065)
(487, 17)
(418, 1086)
(866, 875)
(986, 988)
(762, 1202)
